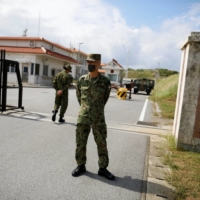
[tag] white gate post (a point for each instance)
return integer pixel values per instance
(186, 127)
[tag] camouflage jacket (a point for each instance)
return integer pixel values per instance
(92, 95)
(62, 81)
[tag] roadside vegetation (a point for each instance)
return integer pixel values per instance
(148, 73)
(164, 93)
(185, 175)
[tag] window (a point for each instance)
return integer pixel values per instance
(32, 68)
(25, 69)
(111, 71)
(37, 69)
(112, 77)
(53, 72)
(13, 68)
(45, 70)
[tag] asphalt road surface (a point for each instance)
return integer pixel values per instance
(37, 155)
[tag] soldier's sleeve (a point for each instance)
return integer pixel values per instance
(107, 93)
(60, 82)
(78, 92)
(55, 82)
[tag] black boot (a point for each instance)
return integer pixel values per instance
(104, 172)
(79, 170)
(61, 120)
(54, 115)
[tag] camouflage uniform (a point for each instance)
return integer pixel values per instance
(92, 95)
(62, 82)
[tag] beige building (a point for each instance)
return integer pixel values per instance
(113, 70)
(40, 59)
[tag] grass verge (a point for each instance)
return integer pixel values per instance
(185, 176)
(164, 94)
(185, 166)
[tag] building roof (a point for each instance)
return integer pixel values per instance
(77, 51)
(38, 50)
(34, 39)
(41, 39)
(116, 63)
(113, 61)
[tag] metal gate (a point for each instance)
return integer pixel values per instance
(4, 64)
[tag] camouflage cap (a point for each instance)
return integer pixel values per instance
(67, 67)
(94, 57)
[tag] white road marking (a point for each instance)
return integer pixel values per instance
(143, 111)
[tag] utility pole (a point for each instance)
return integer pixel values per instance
(79, 55)
(126, 74)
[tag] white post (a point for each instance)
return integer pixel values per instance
(126, 74)
(79, 56)
(186, 127)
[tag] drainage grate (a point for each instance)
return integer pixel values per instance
(147, 123)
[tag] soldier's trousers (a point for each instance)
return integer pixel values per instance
(100, 135)
(63, 102)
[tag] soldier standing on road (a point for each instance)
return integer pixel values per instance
(61, 83)
(93, 91)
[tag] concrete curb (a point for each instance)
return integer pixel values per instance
(157, 186)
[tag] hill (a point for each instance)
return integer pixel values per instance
(148, 73)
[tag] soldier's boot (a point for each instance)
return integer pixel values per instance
(79, 170)
(104, 172)
(61, 120)
(54, 115)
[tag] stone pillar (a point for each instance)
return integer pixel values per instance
(186, 127)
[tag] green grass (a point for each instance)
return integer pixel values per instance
(185, 166)
(185, 176)
(164, 93)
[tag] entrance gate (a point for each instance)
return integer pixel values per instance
(4, 64)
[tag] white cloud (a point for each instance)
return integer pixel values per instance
(102, 29)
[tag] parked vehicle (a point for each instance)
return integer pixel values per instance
(143, 84)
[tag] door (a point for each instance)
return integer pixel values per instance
(25, 74)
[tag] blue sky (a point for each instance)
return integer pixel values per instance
(150, 12)
(136, 33)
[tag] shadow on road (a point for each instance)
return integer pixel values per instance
(127, 182)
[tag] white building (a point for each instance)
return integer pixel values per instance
(113, 70)
(40, 59)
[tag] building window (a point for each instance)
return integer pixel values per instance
(12, 68)
(25, 70)
(111, 71)
(112, 77)
(53, 72)
(32, 68)
(37, 69)
(45, 70)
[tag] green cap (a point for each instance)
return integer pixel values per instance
(67, 67)
(93, 57)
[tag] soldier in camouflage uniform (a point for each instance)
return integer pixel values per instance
(92, 92)
(61, 83)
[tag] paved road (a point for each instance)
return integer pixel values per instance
(41, 100)
(37, 156)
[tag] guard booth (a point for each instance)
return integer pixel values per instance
(4, 65)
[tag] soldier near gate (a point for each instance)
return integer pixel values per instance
(93, 91)
(61, 83)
